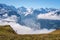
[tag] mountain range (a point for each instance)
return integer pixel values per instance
(41, 18)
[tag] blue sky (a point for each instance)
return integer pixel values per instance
(33, 3)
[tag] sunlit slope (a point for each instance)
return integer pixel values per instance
(6, 29)
(55, 32)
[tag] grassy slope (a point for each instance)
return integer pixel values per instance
(6, 33)
(55, 32)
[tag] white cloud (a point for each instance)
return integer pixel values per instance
(19, 29)
(5, 15)
(49, 15)
(27, 30)
(31, 23)
(11, 18)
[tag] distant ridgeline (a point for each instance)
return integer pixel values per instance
(28, 17)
